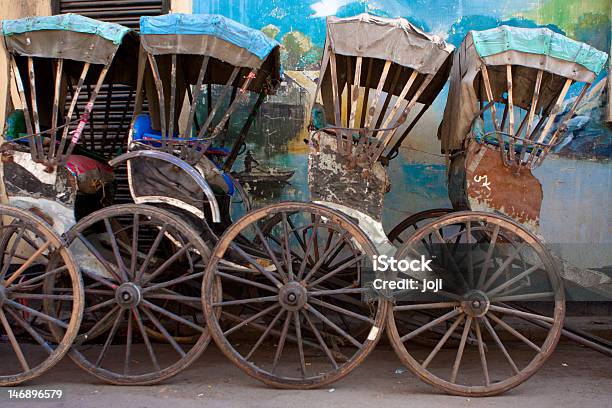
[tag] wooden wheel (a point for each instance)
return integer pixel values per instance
(402, 231)
(37, 274)
(142, 269)
(500, 287)
(295, 289)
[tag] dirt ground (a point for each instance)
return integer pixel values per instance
(574, 377)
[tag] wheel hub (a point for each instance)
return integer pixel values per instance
(475, 303)
(128, 295)
(293, 296)
(2, 295)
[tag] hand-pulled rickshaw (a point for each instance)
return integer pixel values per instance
(57, 66)
(294, 273)
(194, 72)
(503, 116)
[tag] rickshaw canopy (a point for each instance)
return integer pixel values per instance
(208, 34)
(68, 36)
(530, 52)
(513, 42)
(387, 39)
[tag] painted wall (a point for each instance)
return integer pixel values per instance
(576, 180)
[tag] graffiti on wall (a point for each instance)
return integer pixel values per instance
(418, 177)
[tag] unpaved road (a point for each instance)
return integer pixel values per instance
(574, 377)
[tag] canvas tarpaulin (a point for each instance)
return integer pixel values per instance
(466, 92)
(68, 36)
(377, 40)
(208, 34)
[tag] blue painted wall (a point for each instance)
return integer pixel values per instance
(575, 182)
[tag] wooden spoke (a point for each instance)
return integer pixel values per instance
(331, 324)
(100, 323)
(14, 343)
(36, 313)
(485, 265)
(518, 313)
(145, 337)
(110, 338)
(340, 268)
(247, 282)
(328, 251)
(481, 352)
(442, 341)
(27, 263)
(29, 282)
(100, 305)
(94, 251)
(464, 336)
(342, 310)
(500, 345)
(171, 315)
(152, 250)
(426, 306)
(281, 341)
(246, 301)
(164, 332)
(250, 319)
(172, 282)
(503, 266)
(309, 246)
(253, 262)
(128, 345)
(118, 258)
(167, 263)
(430, 325)
(298, 334)
(332, 292)
(514, 332)
(28, 328)
(270, 252)
(317, 334)
(265, 334)
(287, 248)
(134, 249)
(523, 297)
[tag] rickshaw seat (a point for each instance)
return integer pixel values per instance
(143, 132)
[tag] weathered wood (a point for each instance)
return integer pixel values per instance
(172, 98)
(534, 102)
(510, 110)
(73, 102)
(366, 94)
(555, 110)
(489, 95)
(226, 89)
(55, 110)
(355, 92)
(377, 96)
(160, 96)
(336, 101)
(85, 116)
(388, 134)
(383, 110)
(400, 140)
(35, 118)
(24, 103)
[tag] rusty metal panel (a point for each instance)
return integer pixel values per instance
(481, 182)
(336, 178)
